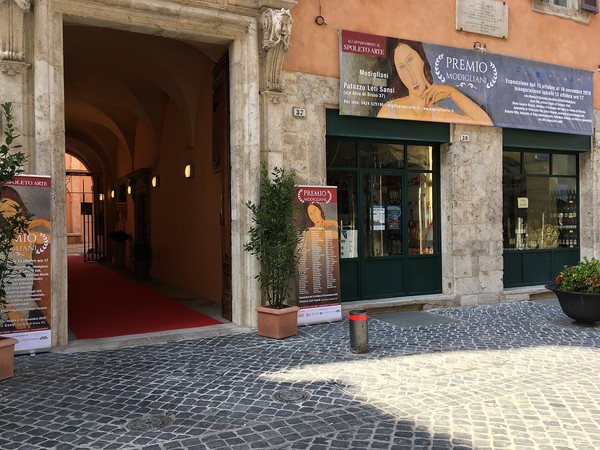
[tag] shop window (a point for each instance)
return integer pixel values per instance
(341, 153)
(540, 194)
(396, 206)
(536, 163)
(564, 165)
(381, 156)
(419, 157)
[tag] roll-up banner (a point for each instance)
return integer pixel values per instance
(318, 282)
(25, 313)
(393, 78)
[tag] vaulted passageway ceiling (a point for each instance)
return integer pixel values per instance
(117, 80)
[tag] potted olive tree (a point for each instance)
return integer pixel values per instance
(13, 222)
(577, 288)
(274, 240)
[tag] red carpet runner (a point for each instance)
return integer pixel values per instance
(103, 303)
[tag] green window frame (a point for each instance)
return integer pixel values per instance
(540, 214)
(388, 210)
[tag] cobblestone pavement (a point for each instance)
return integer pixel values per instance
(510, 376)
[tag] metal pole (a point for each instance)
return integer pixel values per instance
(359, 331)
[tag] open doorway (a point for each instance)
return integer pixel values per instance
(79, 189)
(85, 212)
(140, 111)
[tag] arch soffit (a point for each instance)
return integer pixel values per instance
(92, 126)
(135, 80)
(95, 162)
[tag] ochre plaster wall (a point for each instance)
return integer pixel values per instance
(146, 147)
(123, 163)
(185, 213)
(531, 35)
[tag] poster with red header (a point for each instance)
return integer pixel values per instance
(318, 281)
(25, 313)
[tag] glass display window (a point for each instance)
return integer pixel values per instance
(381, 155)
(395, 200)
(341, 153)
(540, 196)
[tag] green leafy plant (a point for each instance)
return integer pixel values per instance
(14, 218)
(581, 277)
(273, 236)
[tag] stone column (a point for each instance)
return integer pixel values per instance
(245, 165)
(47, 98)
(472, 215)
(589, 198)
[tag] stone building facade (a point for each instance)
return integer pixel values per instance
(281, 54)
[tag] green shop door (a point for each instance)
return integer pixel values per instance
(382, 235)
(387, 210)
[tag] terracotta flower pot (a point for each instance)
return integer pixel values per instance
(7, 357)
(277, 323)
(579, 306)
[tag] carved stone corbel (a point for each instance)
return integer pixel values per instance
(12, 29)
(277, 30)
(12, 68)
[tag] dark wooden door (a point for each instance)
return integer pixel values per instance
(221, 163)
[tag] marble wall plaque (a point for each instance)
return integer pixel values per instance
(488, 17)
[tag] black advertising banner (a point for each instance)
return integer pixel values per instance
(395, 78)
(25, 313)
(318, 287)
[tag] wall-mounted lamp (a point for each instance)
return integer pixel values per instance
(129, 189)
(101, 197)
(189, 171)
(155, 181)
(479, 46)
(112, 194)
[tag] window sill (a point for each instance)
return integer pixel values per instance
(561, 11)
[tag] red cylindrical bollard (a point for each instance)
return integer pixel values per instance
(359, 331)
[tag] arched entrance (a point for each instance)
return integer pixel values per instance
(85, 232)
(193, 24)
(147, 115)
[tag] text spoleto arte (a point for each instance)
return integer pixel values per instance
(480, 72)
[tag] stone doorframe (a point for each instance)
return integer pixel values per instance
(167, 19)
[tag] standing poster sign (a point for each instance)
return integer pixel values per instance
(26, 312)
(318, 284)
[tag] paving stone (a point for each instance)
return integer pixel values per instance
(515, 375)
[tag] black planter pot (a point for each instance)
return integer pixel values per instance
(579, 306)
